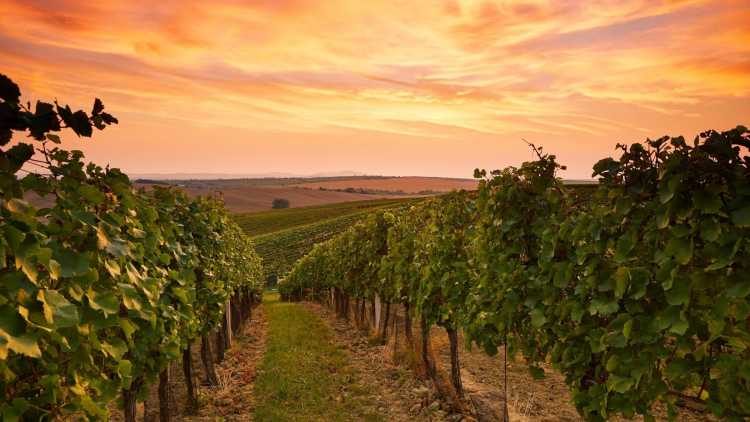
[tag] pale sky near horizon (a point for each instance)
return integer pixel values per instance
(429, 87)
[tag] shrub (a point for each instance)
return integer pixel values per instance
(279, 203)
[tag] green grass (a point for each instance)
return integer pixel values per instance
(304, 375)
(260, 223)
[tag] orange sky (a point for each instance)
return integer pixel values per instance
(427, 87)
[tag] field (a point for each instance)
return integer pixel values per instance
(253, 195)
(260, 223)
(281, 237)
(409, 184)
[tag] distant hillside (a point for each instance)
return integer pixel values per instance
(257, 194)
(405, 184)
(213, 176)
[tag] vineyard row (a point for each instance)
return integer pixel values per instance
(637, 291)
(103, 289)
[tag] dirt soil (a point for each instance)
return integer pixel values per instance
(407, 184)
(232, 399)
(250, 199)
(399, 394)
(529, 399)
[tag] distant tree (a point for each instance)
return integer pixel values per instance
(280, 203)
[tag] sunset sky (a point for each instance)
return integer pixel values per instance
(428, 87)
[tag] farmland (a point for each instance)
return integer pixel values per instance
(281, 237)
(407, 184)
(256, 195)
(260, 223)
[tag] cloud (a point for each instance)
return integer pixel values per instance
(450, 70)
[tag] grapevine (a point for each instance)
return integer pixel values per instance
(104, 288)
(637, 293)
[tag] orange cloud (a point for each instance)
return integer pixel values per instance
(251, 79)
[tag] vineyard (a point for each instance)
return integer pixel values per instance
(109, 286)
(636, 292)
(282, 237)
(260, 223)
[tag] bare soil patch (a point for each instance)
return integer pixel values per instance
(407, 184)
(529, 399)
(232, 399)
(259, 198)
(482, 376)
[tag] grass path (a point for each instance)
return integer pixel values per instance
(304, 375)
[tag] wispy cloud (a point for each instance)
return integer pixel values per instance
(570, 74)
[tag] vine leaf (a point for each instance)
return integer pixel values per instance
(9, 91)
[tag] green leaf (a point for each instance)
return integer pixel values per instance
(639, 279)
(181, 294)
(662, 218)
(114, 246)
(679, 294)
(603, 306)
(69, 263)
(622, 281)
(613, 363)
(710, 230)
(64, 314)
(706, 201)
(625, 244)
(668, 189)
(130, 297)
(681, 249)
(104, 301)
(741, 217)
(627, 328)
(113, 268)
(739, 290)
(678, 368)
(680, 326)
(619, 383)
(537, 317)
(124, 370)
(172, 350)
(92, 194)
(114, 347)
(16, 409)
(128, 327)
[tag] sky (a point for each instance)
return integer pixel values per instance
(421, 87)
